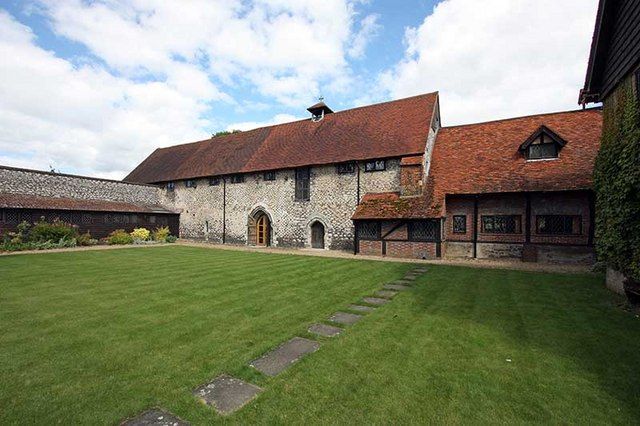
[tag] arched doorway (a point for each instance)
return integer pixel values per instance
(263, 227)
(317, 235)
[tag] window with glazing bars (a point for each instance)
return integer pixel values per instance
(303, 184)
(423, 230)
(502, 224)
(369, 230)
(270, 175)
(346, 168)
(460, 224)
(237, 178)
(559, 224)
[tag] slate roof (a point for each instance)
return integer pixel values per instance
(25, 201)
(386, 130)
(485, 158)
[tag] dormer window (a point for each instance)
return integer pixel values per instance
(171, 186)
(543, 144)
(191, 183)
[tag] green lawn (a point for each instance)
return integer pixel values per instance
(93, 337)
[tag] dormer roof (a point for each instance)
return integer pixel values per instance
(543, 131)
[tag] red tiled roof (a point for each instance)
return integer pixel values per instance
(485, 158)
(415, 160)
(389, 205)
(390, 129)
(24, 201)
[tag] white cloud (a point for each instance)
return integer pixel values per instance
(156, 67)
(277, 119)
(369, 28)
(497, 58)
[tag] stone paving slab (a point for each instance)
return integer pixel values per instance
(420, 270)
(361, 308)
(227, 394)
(279, 359)
(325, 330)
(398, 287)
(345, 318)
(386, 293)
(403, 282)
(155, 417)
(410, 278)
(375, 300)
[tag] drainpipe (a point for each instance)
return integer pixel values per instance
(224, 210)
(475, 227)
(355, 227)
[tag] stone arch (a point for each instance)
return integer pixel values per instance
(327, 231)
(254, 223)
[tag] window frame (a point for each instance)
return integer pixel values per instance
(269, 176)
(572, 217)
(377, 232)
(494, 217)
(376, 166)
(191, 183)
(464, 224)
(214, 181)
(302, 184)
(411, 231)
(543, 156)
(171, 186)
(347, 168)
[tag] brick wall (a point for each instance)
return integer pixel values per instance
(410, 179)
(512, 245)
(395, 242)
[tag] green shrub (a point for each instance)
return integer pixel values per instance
(617, 186)
(140, 234)
(160, 234)
(43, 231)
(171, 239)
(120, 237)
(86, 240)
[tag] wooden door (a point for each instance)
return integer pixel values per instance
(262, 231)
(317, 235)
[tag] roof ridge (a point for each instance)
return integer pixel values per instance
(221, 137)
(598, 108)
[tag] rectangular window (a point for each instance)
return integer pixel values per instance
(191, 183)
(558, 224)
(152, 219)
(270, 175)
(171, 186)
(423, 230)
(460, 224)
(504, 224)
(542, 150)
(369, 230)
(345, 168)
(214, 181)
(237, 178)
(11, 216)
(375, 166)
(303, 184)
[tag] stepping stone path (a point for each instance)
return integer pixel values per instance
(283, 356)
(324, 330)
(227, 394)
(386, 293)
(398, 287)
(155, 417)
(345, 318)
(420, 270)
(410, 277)
(361, 308)
(375, 300)
(403, 282)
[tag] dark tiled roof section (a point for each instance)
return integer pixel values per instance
(390, 129)
(23, 201)
(390, 205)
(484, 157)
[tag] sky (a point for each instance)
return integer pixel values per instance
(93, 87)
